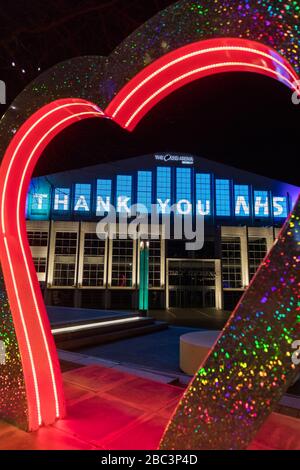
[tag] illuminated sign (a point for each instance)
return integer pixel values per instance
(165, 189)
(183, 159)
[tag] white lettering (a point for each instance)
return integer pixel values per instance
(163, 205)
(81, 204)
(184, 207)
(103, 206)
(64, 202)
(39, 198)
(259, 204)
(122, 203)
(278, 208)
(241, 203)
(201, 210)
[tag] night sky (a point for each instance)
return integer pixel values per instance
(241, 119)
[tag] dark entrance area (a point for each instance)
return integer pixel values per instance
(191, 283)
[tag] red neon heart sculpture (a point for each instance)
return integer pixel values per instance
(44, 393)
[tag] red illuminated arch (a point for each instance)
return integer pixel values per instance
(148, 87)
(38, 353)
(189, 63)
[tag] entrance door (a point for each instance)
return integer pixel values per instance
(191, 283)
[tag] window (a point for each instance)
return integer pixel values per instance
(144, 190)
(231, 263)
(66, 243)
(82, 198)
(223, 198)
(40, 264)
(257, 250)
(241, 200)
(124, 193)
(203, 194)
(93, 261)
(163, 188)
(103, 196)
(64, 274)
(183, 187)
(61, 199)
(37, 238)
(154, 263)
(261, 201)
(65, 259)
(122, 263)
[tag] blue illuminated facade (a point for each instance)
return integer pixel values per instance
(170, 187)
(242, 200)
(163, 187)
(144, 191)
(103, 196)
(123, 192)
(223, 199)
(203, 193)
(243, 213)
(184, 187)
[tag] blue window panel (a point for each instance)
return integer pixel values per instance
(280, 207)
(261, 204)
(124, 191)
(163, 189)
(203, 193)
(183, 186)
(144, 191)
(241, 200)
(61, 201)
(223, 208)
(39, 199)
(103, 191)
(82, 199)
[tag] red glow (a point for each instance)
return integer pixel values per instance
(37, 348)
(135, 99)
(191, 62)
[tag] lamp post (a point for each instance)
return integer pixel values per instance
(144, 277)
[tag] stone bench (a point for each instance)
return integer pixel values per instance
(194, 348)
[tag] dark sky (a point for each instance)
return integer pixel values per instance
(241, 119)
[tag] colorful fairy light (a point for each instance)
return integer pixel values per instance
(252, 387)
(250, 365)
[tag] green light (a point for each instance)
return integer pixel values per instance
(144, 276)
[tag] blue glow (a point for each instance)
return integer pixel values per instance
(183, 186)
(103, 196)
(261, 204)
(163, 189)
(124, 193)
(223, 208)
(280, 207)
(241, 200)
(144, 190)
(61, 201)
(39, 200)
(203, 193)
(82, 200)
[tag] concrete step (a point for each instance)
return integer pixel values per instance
(100, 334)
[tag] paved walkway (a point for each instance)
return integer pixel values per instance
(159, 351)
(208, 318)
(109, 409)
